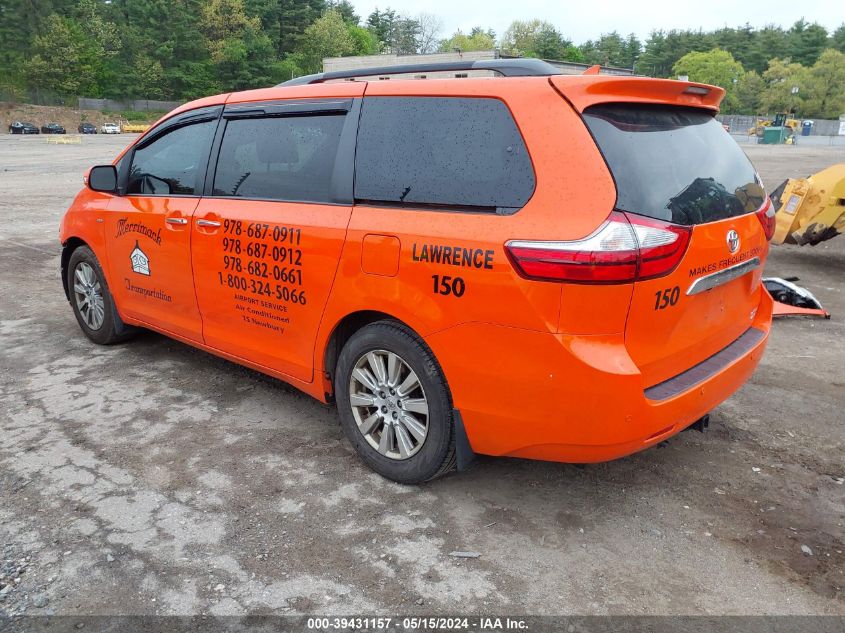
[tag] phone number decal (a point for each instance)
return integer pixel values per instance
(263, 261)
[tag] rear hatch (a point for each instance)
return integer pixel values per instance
(676, 165)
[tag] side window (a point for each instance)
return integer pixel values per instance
(172, 163)
(459, 152)
(279, 158)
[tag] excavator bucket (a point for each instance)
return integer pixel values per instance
(810, 210)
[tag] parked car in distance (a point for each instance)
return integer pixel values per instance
(110, 128)
(22, 127)
(53, 128)
(87, 128)
(420, 254)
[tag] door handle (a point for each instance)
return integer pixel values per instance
(179, 221)
(208, 223)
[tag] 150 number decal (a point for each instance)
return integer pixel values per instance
(446, 285)
(666, 298)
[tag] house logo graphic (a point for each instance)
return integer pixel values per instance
(140, 261)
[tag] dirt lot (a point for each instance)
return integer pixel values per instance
(69, 118)
(154, 478)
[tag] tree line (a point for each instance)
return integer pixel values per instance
(182, 49)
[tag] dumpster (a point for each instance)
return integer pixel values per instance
(775, 135)
(806, 128)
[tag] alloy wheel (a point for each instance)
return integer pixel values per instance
(89, 296)
(389, 404)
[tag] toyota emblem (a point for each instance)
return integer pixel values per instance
(733, 241)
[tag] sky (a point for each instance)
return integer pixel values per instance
(581, 21)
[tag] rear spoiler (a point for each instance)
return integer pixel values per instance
(583, 91)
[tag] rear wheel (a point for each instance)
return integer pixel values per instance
(394, 404)
(91, 300)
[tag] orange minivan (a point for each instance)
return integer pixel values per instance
(527, 264)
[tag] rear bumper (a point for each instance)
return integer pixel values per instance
(580, 399)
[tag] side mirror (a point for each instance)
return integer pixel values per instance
(103, 178)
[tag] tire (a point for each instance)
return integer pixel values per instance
(101, 324)
(401, 456)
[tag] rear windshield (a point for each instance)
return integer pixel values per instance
(673, 163)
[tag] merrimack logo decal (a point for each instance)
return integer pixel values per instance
(124, 227)
(140, 261)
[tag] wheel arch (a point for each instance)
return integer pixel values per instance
(353, 322)
(69, 246)
(343, 331)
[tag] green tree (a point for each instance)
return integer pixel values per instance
(285, 21)
(631, 52)
(766, 40)
(478, 31)
(188, 68)
(716, 67)
(538, 38)
(782, 80)
(611, 49)
(550, 44)
(346, 10)
(664, 48)
(104, 33)
(381, 25)
(365, 42)
(149, 76)
(398, 34)
(21, 21)
(167, 31)
(238, 46)
(405, 36)
(824, 87)
(328, 37)
(749, 93)
(477, 40)
(520, 36)
(806, 42)
(103, 38)
(653, 61)
(64, 60)
(188, 48)
(837, 39)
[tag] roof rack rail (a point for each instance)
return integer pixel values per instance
(520, 67)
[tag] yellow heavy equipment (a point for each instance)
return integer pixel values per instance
(134, 127)
(810, 210)
(781, 120)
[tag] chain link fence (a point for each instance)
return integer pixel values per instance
(136, 105)
(822, 132)
(15, 95)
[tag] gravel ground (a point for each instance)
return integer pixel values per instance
(152, 478)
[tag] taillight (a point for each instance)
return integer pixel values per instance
(625, 248)
(662, 245)
(766, 215)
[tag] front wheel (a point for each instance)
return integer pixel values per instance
(91, 300)
(394, 404)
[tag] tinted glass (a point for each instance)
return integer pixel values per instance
(672, 163)
(281, 158)
(442, 151)
(172, 164)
